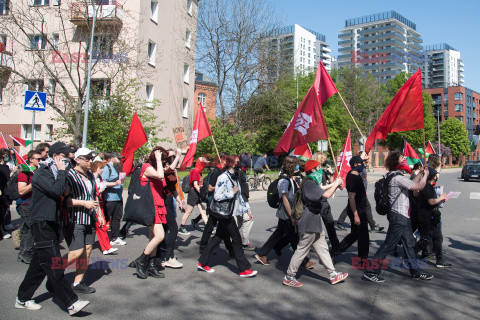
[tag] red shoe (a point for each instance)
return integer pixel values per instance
(205, 268)
(248, 273)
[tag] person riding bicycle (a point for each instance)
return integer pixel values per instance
(259, 164)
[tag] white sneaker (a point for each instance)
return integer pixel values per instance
(110, 251)
(118, 242)
(30, 305)
(172, 263)
(7, 236)
(77, 306)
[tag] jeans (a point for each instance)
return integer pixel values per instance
(114, 212)
(26, 242)
(244, 226)
(284, 234)
(368, 211)
(46, 261)
(207, 232)
(399, 228)
(226, 228)
(329, 224)
(359, 233)
(171, 236)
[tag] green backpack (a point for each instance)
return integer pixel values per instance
(299, 207)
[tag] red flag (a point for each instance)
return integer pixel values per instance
(201, 130)
(3, 143)
(20, 142)
(303, 152)
(343, 164)
(21, 162)
(430, 149)
(410, 154)
(308, 124)
(135, 139)
(405, 112)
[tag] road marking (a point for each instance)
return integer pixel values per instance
(455, 195)
(475, 195)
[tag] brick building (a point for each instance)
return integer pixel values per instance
(206, 93)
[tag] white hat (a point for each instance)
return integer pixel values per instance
(84, 152)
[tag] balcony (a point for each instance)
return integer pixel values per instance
(414, 38)
(384, 28)
(345, 42)
(383, 43)
(347, 34)
(6, 64)
(415, 46)
(107, 13)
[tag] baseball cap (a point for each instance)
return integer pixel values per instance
(432, 171)
(356, 160)
(57, 148)
(84, 152)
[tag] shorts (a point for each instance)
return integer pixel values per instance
(193, 198)
(258, 170)
(78, 236)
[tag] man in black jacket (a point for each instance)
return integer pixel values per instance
(48, 185)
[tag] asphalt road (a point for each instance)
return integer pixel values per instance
(191, 294)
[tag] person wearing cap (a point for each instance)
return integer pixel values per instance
(48, 187)
(400, 227)
(310, 225)
(83, 212)
(429, 217)
(356, 210)
(112, 195)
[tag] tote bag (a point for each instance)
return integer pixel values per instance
(223, 209)
(140, 207)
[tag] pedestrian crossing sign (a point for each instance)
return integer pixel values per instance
(35, 101)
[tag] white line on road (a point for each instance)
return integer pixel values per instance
(475, 195)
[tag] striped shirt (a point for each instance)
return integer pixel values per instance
(81, 190)
(398, 187)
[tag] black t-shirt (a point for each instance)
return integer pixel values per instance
(427, 193)
(216, 172)
(4, 177)
(355, 184)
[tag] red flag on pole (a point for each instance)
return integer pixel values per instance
(343, 164)
(430, 150)
(405, 112)
(20, 142)
(135, 139)
(410, 154)
(308, 124)
(21, 162)
(3, 143)
(201, 130)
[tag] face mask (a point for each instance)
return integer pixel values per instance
(359, 168)
(316, 176)
(297, 168)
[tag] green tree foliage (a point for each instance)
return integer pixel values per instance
(455, 136)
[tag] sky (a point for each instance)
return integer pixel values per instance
(453, 22)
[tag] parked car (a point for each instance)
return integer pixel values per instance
(471, 171)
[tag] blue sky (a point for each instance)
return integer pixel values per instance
(452, 22)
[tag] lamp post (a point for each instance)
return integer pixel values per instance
(438, 129)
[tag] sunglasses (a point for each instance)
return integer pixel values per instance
(85, 159)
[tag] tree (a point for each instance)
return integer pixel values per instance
(455, 136)
(230, 47)
(59, 53)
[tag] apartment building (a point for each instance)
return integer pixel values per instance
(457, 102)
(384, 44)
(296, 49)
(443, 66)
(149, 41)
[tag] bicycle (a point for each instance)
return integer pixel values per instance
(255, 182)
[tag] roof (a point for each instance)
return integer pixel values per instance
(438, 46)
(380, 16)
(200, 78)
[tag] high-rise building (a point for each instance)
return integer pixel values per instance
(150, 42)
(442, 67)
(384, 44)
(295, 49)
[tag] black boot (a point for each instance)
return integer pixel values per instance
(141, 264)
(152, 269)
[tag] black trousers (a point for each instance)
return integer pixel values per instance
(171, 237)
(46, 261)
(357, 233)
(430, 235)
(399, 229)
(226, 228)
(329, 223)
(207, 233)
(368, 211)
(114, 213)
(26, 242)
(284, 234)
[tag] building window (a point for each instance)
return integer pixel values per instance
(4, 7)
(458, 107)
(27, 132)
(460, 118)
(55, 40)
(3, 42)
(49, 132)
(154, 11)
(51, 85)
(186, 74)
(36, 42)
(39, 2)
(1, 93)
(458, 96)
(149, 94)
(190, 7)
(202, 98)
(446, 108)
(34, 85)
(102, 47)
(152, 52)
(188, 38)
(100, 88)
(185, 108)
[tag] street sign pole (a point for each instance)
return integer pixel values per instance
(33, 129)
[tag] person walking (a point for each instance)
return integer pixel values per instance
(48, 186)
(244, 222)
(4, 201)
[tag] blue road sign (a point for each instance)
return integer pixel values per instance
(35, 101)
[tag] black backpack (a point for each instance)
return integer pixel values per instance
(297, 211)
(382, 200)
(11, 190)
(273, 198)
(206, 196)
(186, 184)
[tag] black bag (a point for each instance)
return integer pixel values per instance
(273, 198)
(140, 207)
(223, 210)
(186, 184)
(297, 210)
(11, 190)
(382, 200)
(205, 195)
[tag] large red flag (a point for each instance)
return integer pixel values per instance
(3, 143)
(343, 164)
(201, 130)
(308, 124)
(135, 139)
(404, 112)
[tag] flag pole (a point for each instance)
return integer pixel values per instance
(333, 156)
(424, 148)
(348, 110)
(215, 145)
